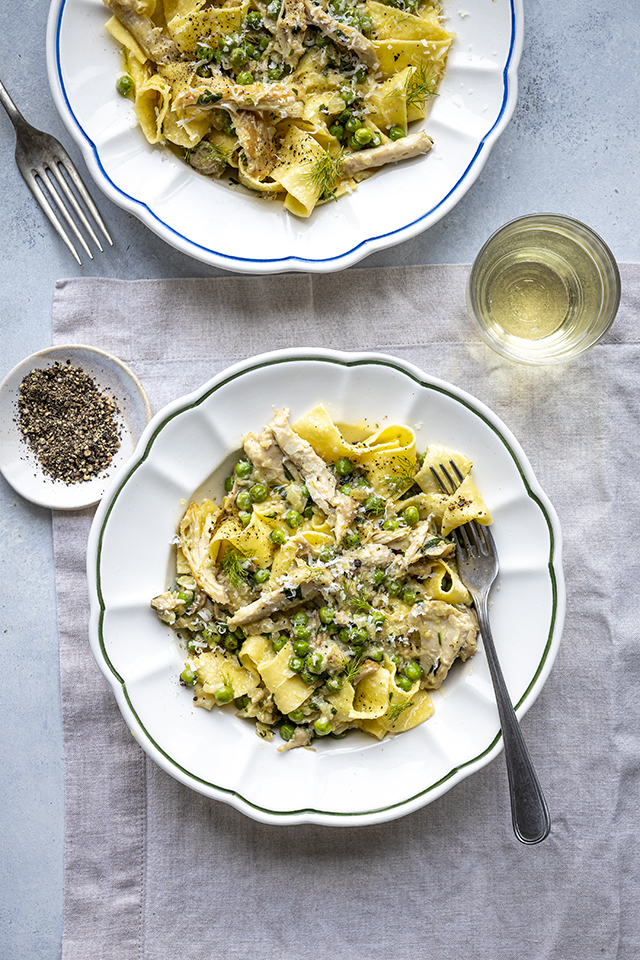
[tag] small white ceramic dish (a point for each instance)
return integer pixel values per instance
(185, 453)
(19, 465)
(228, 226)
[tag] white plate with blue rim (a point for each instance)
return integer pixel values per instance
(227, 226)
(184, 454)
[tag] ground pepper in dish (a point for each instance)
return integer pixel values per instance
(69, 424)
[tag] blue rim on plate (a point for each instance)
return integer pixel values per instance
(551, 549)
(218, 257)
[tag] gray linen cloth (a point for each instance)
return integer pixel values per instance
(155, 871)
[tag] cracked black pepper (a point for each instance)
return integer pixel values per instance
(69, 424)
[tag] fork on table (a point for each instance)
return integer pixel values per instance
(50, 175)
(478, 568)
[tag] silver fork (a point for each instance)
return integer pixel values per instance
(478, 567)
(41, 160)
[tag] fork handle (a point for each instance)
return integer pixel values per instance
(14, 114)
(529, 811)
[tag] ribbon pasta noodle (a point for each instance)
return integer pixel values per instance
(322, 594)
(303, 99)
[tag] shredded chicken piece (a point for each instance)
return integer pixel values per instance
(256, 138)
(317, 476)
(301, 738)
(309, 580)
(342, 34)
(278, 97)
(410, 146)
(265, 454)
(154, 42)
(445, 632)
(290, 30)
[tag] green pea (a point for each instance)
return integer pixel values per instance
(378, 577)
(353, 143)
(278, 537)
(308, 677)
(366, 23)
(300, 647)
(278, 643)
(344, 635)
(409, 595)
(333, 684)
(307, 513)
(224, 694)
(336, 130)
(261, 575)
(315, 663)
(287, 730)
(326, 554)
(188, 676)
(238, 57)
(326, 614)
(374, 504)
(304, 491)
(396, 133)
(250, 50)
(297, 716)
(350, 539)
(243, 500)
(333, 628)
(300, 618)
(244, 78)
(244, 469)
(352, 124)
(231, 642)
(275, 73)
(253, 20)
(293, 519)
(346, 489)
(245, 518)
(394, 587)
(322, 727)
(376, 139)
(228, 484)
(413, 671)
(204, 51)
(187, 596)
(411, 516)
(363, 136)
(377, 654)
(357, 636)
(258, 492)
(390, 525)
(346, 94)
(404, 683)
(377, 616)
(125, 85)
(273, 9)
(263, 43)
(296, 664)
(302, 632)
(361, 75)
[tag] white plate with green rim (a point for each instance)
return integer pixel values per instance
(185, 453)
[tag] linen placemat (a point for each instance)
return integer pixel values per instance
(154, 871)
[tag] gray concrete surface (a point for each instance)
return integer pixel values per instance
(572, 147)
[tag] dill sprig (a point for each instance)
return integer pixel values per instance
(353, 667)
(325, 174)
(234, 566)
(399, 482)
(421, 84)
(396, 711)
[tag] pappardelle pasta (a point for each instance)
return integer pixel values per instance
(304, 98)
(322, 594)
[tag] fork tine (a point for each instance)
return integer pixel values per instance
(49, 212)
(69, 168)
(79, 212)
(44, 174)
